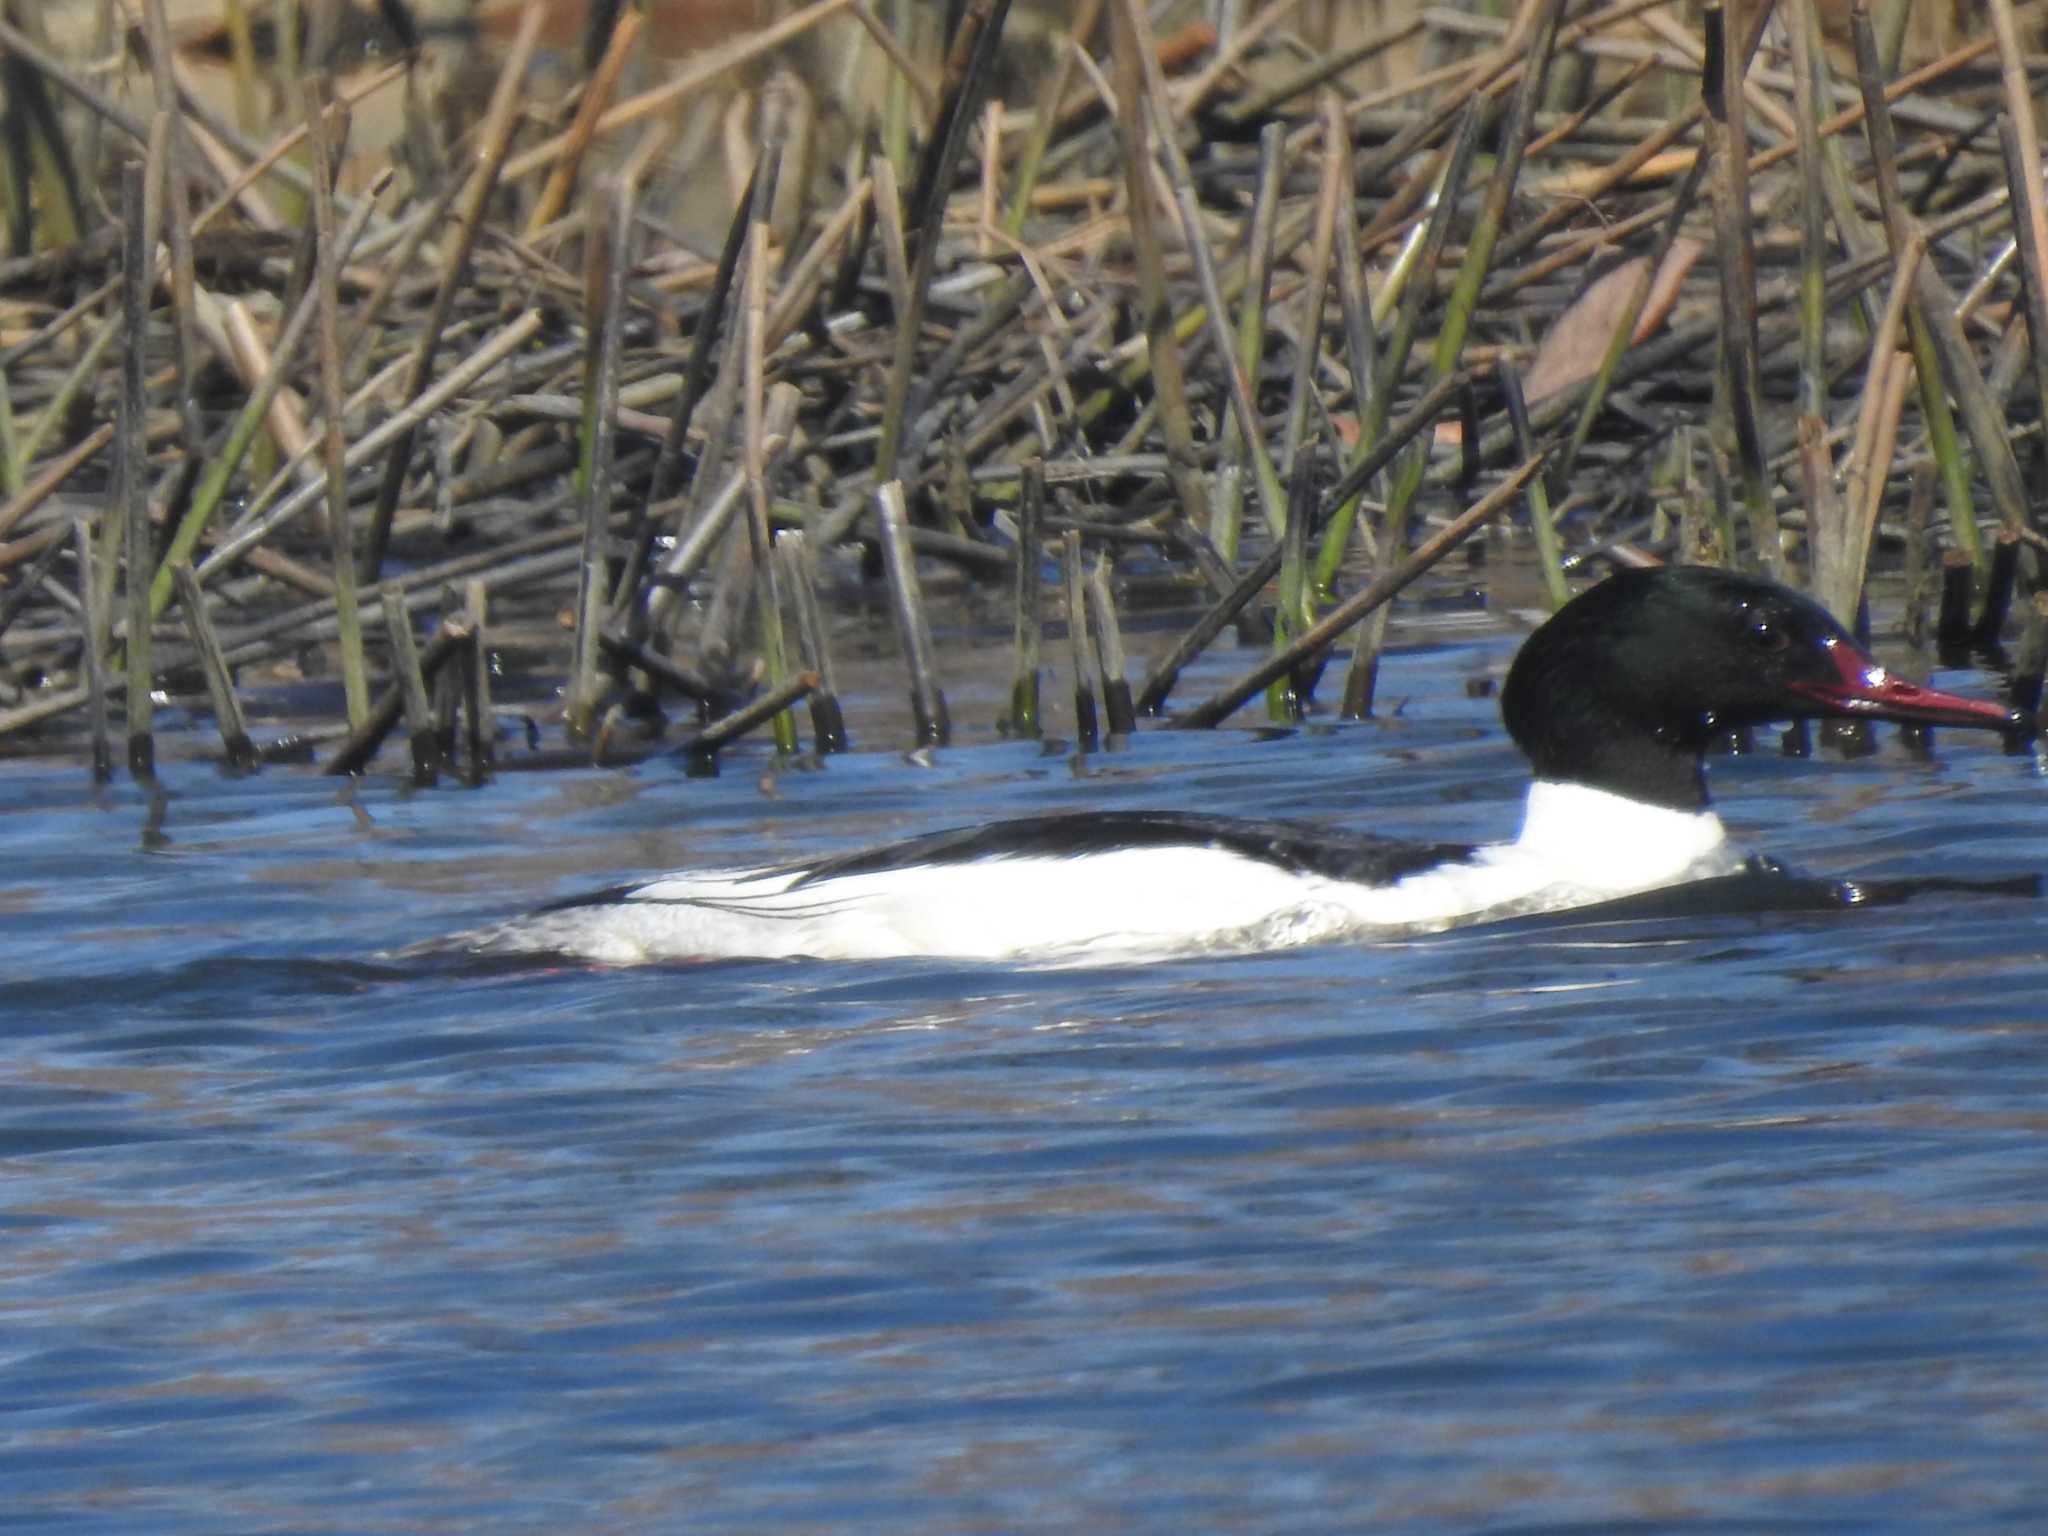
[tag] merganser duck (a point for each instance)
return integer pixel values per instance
(1613, 700)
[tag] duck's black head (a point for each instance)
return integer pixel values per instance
(1627, 683)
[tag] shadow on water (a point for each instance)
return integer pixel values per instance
(1767, 886)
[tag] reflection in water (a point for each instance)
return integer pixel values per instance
(1683, 1214)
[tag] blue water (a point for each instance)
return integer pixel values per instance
(1719, 1222)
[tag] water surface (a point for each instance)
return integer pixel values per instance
(1697, 1222)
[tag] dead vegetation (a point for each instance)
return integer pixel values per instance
(1270, 317)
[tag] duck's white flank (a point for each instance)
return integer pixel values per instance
(1578, 845)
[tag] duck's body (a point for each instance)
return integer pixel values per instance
(1120, 887)
(1614, 700)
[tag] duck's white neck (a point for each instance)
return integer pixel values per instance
(1601, 839)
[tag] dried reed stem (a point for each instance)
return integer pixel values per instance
(92, 624)
(1080, 645)
(1109, 647)
(828, 719)
(495, 350)
(412, 690)
(1376, 595)
(495, 139)
(607, 245)
(913, 628)
(137, 271)
(757, 452)
(326, 287)
(597, 94)
(1155, 315)
(701, 749)
(1028, 602)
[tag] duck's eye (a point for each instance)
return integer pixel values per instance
(1766, 636)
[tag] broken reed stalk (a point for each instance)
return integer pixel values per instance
(828, 719)
(607, 240)
(1227, 511)
(687, 681)
(76, 378)
(1028, 601)
(737, 583)
(476, 683)
(894, 244)
(767, 597)
(1998, 590)
(1354, 296)
(701, 750)
(1542, 523)
(2019, 139)
(43, 179)
(412, 691)
(1287, 698)
(1155, 313)
(906, 601)
(1934, 309)
(1623, 335)
(1361, 676)
(222, 464)
(1500, 190)
(2030, 662)
(220, 683)
(1109, 646)
(1468, 439)
(170, 156)
(1051, 93)
(597, 95)
(1571, 252)
(906, 67)
(1249, 107)
(1080, 645)
(449, 689)
(1166, 672)
(801, 286)
(1394, 359)
(2023, 182)
(253, 531)
(25, 586)
(1842, 528)
(1952, 628)
(1365, 601)
(1727, 145)
(397, 265)
(137, 271)
(1332, 213)
(1180, 180)
(667, 478)
(692, 550)
(495, 139)
(1295, 608)
(705, 68)
(327, 285)
(51, 69)
(1921, 577)
(355, 753)
(1802, 26)
(970, 60)
(92, 623)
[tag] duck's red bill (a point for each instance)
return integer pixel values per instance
(1864, 690)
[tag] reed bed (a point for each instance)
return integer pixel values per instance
(1262, 323)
